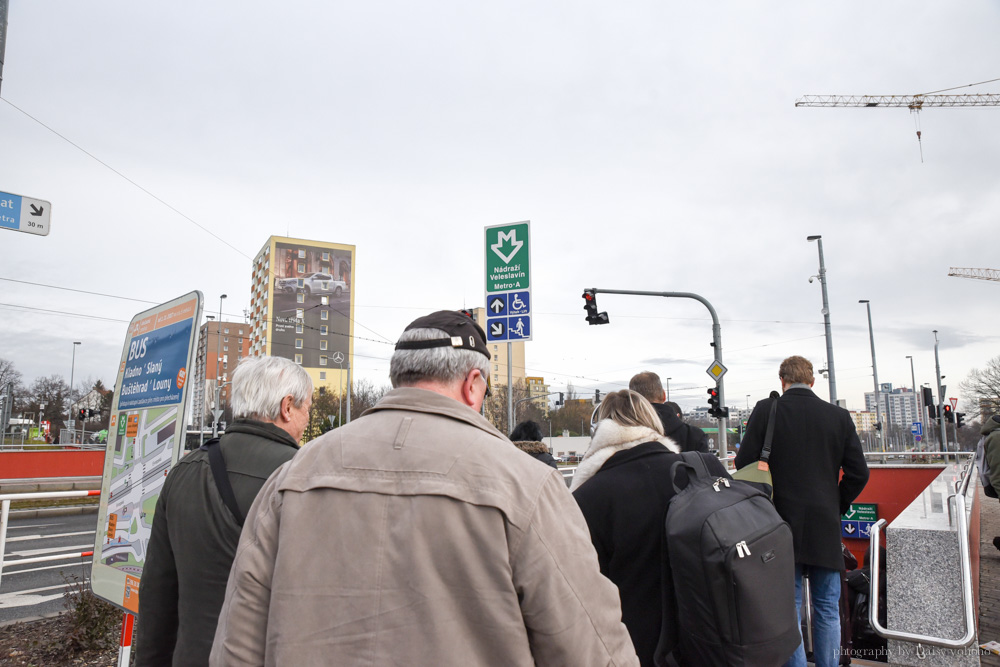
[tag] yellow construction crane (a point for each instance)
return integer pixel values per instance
(912, 102)
(978, 274)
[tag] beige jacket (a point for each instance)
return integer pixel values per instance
(418, 535)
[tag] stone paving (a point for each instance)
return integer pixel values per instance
(989, 575)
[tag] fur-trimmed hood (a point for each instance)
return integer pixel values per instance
(531, 446)
(611, 438)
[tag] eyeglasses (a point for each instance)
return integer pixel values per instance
(486, 379)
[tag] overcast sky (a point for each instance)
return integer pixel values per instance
(652, 145)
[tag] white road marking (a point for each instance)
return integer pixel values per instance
(27, 598)
(24, 538)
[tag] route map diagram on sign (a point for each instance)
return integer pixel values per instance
(146, 438)
(141, 461)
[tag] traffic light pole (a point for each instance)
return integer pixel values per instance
(716, 346)
(942, 424)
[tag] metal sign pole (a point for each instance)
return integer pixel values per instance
(510, 388)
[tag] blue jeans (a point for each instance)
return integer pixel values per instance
(824, 586)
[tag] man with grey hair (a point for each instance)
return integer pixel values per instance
(419, 535)
(199, 514)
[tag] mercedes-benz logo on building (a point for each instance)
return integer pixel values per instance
(337, 357)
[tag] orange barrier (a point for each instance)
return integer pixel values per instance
(64, 463)
(892, 489)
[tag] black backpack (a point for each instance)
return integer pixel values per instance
(733, 568)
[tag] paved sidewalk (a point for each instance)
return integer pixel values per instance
(989, 575)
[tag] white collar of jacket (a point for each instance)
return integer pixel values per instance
(611, 438)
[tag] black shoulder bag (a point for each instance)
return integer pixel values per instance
(218, 465)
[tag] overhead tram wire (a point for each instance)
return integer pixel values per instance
(160, 200)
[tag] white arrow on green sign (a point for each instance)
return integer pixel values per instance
(507, 255)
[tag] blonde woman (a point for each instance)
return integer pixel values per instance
(623, 486)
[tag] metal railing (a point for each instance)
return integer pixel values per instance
(40, 447)
(965, 564)
(5, 500)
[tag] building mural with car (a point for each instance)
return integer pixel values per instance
(302, 306)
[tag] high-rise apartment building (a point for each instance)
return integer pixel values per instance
(301, 307)
(221, 345)
(539, 391)
(898, 407)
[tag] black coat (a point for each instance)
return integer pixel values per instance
(537, 450)
(193, 542)
(690, 438)
(813, 441)
(625, 504)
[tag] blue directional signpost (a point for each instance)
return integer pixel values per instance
(508, 291)
(857, 522)
(24, 214)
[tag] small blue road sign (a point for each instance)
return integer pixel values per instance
(496, 304)
(519, 303)
(917, 428)
(518, 327)
(496, 329)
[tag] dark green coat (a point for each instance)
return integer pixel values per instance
(193, 543)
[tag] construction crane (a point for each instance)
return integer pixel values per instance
(979, 274)
(912, 102)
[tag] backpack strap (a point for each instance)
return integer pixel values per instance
(765, 452)
(694, 464)
(218, 464)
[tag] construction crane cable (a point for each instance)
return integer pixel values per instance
(968, 85)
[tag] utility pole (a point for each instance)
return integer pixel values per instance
(942, 424)
(878, 410)
(832, 375)
(3, 35)
(916, 399)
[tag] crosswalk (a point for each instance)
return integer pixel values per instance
(32, 590)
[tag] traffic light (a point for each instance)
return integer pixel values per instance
(959, 419)
(932, 411)
(597, 396)
(590, 305)
(948, 413)
(560, 401)
(713, 402)
(82, 414)
(468, 313)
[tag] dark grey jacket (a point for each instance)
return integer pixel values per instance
(193, 543)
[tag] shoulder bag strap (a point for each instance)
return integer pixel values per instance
(218, 464)
(765, 452)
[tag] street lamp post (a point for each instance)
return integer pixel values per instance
(201, 391)
(216, 411)
(668, 388)
(878, 411)
(826, 318)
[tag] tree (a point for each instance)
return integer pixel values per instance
(364, 395)
(52, 392)
(495, 405)
(9, 374)
(981, 390)
(325, 404)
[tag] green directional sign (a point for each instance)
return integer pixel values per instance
(507, 258)
(861, 512)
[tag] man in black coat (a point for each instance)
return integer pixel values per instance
(813, 441)
(194, 535)
(690, 438)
